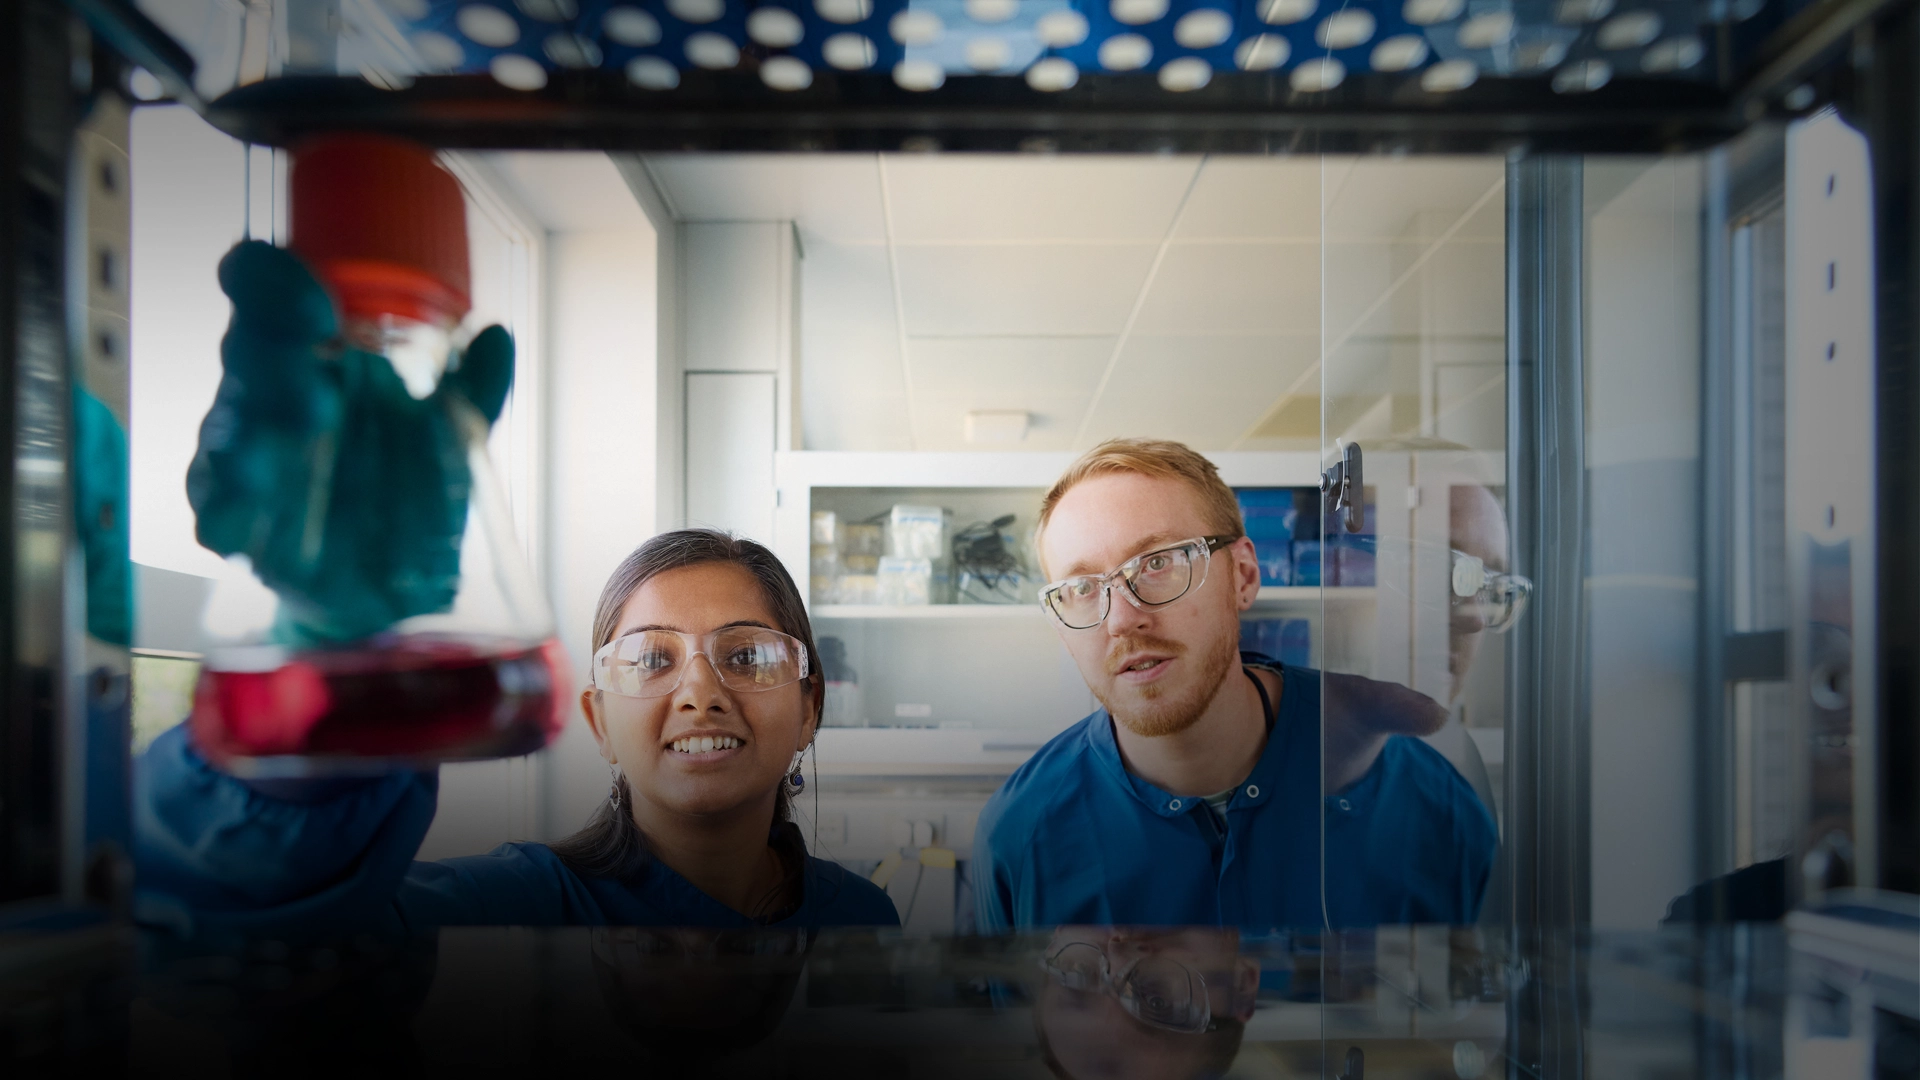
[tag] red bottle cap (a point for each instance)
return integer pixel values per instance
(382, 225)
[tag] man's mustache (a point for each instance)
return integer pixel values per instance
(1121, 648)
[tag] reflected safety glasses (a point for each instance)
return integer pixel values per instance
(1154, 579)
(1156, 990)
(651, 663)
(691, 947)
(1501, 598)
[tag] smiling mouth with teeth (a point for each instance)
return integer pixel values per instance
(703, 744)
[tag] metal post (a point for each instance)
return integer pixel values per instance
(1547, 778)
(1887, 110)
(36, 95)
(1713, 740)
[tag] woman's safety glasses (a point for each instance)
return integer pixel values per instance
(1499, 598)
(1156, 990)
(651, 663)
(1154, 579)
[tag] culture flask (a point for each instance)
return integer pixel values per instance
(377, 609)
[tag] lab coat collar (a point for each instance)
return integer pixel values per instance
(680, 901)
(1258, 789)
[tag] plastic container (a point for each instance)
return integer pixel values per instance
(385, 615)
(844, 706)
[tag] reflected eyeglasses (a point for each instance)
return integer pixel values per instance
(651, 663)
(651, 946)
(1154, 579)
(1500, 597)
(1155, 990)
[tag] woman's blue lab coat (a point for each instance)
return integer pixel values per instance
(1074, 837)
(214, 856)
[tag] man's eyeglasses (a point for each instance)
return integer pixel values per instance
(1501, 598)
(651, 663)
(1154, 579)
(1155, 990)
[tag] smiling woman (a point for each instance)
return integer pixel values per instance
(705, 692)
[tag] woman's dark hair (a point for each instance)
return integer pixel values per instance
(611, 846)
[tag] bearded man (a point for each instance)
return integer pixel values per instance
(1200, 795)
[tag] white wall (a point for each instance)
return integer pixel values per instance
(1643, 380)
(738, 312)
(189, 195)
(602, 492)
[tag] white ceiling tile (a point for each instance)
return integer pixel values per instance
(1203, 391)
(1239, 199)
(1016, 198)
(1234, 289)
(569, 191)
(833, 196)
(1380, 196)
(1010, 290)
(1459, 290)
(1051, 379)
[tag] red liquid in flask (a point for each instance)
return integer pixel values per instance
(412, 699)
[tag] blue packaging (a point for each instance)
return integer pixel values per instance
(1350, 560)
(1289, 641)
(1269, 516)
(1306, 562)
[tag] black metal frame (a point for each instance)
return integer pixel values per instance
(1546, 857)
(1788, 71)
(38, 113)
(1887, 109)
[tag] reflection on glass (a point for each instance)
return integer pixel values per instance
(1120, 1002)
(692, 996)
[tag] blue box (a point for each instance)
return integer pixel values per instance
(1306, 562)
(1289, 641)
(1269, 516)
(1350, 560)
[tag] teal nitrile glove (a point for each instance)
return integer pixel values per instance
(348, 495)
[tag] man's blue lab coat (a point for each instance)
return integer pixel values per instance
(1073, 837)
(217, 857)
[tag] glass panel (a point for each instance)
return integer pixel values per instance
(1632, 778)
(1416, 594)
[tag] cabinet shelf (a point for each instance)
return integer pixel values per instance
(1303, 596)
(927, 611)
(1271, 597)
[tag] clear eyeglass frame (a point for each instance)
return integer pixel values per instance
(1198, 550)
(1070, 966)
(652, 946)
(1502, 597)
(777, 660)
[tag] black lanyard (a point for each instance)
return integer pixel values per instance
(1266, 703)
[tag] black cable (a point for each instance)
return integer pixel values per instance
(983, 551)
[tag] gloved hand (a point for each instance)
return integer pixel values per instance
(348, 495)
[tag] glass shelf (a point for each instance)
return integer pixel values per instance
(1293, 596)
(1271, 597)
(927, 611)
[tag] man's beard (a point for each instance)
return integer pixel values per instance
(1160, 714)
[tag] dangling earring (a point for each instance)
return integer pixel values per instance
(798, 780)
(613, 792)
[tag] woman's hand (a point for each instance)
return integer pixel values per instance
(348, 494)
